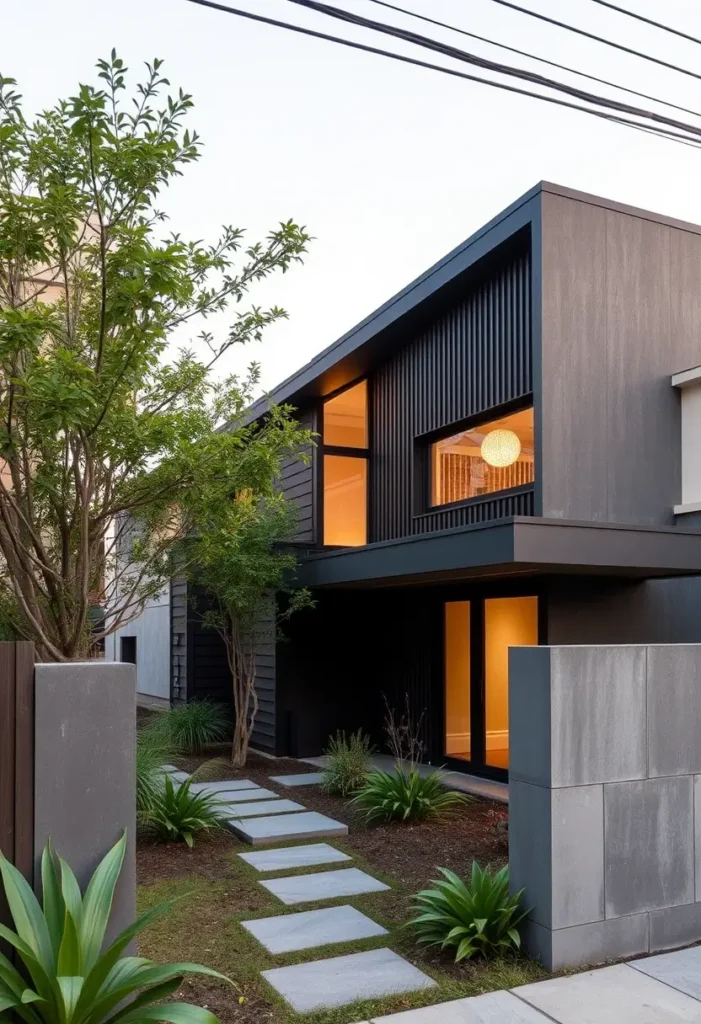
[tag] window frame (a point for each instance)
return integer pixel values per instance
(345, 451)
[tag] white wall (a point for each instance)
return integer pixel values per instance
(152, 632)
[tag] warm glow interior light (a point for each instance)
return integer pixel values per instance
(500, 448)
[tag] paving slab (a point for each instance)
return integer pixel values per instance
(294, 857)
(491, 1008)
(258, 807)
(228, 785)
(311, 928)
(681, 970)
(323, 885)
(240, 796)
(303, 779)
(303, 825)
(178, 776)
(324, 984)
(611, 995)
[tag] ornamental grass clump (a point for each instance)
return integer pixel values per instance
(65, 978)
(179, 814)
(348, 763)
(189, 728)
(480, 919)
(406, 795)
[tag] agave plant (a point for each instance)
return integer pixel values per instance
(177, 813)
(477, 920)
(67, 979)
(406, 795)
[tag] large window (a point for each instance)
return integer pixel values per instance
(493, 456)
(345, 467)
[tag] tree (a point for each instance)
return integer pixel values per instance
(239, 554)
(101, 433)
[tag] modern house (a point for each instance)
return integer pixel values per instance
(509, 453)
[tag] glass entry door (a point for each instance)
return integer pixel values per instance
(478, 634)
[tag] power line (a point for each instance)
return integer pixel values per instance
(598, 39)
(532, 56)
(648, 21)
(688, 140)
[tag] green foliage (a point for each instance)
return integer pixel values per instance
(406, 795)
(65, 979)
(348, 763)
(189, 728)
(104, 434)
(152, 752)
(477, 920)
(179, 814)
(8, 617)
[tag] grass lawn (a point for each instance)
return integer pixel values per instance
(218, 890)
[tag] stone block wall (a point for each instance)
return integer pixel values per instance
(604, 799)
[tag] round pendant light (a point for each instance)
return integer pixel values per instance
(500, 448)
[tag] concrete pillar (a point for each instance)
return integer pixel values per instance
(605, 771)
(84, 781)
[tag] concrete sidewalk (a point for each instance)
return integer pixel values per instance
(663, 989)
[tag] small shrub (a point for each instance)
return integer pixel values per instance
(179, 814)
(152, 752)
(64, 979)
(476, 920)
(406, 795)
(348, 765)
(189, 728)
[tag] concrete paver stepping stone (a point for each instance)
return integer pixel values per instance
(304, 779)
(303, 825)
(324, 984)
(256, 808)
(294, 857)
(178, 776)
(611, 995)
(323, 885)
(681, 970)
(240, 796)
(311, 928)
(490, 1008)
(228, 785)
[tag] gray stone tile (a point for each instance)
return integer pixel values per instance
(303, 825)
(242, 796)
(586, 944)
(324, 984)
(674, 710)
(612, 995)
(304, 779)
(529, 711)
(256, 808)
(294, 857)
(227, 785)
(649, 848)
(675, 926)
(681, 970)
(530, 850)
(598, 715)
(178, 776)
(577, 855)
(168, 768)
(311, 928)
(491, 1008)
(323, 885)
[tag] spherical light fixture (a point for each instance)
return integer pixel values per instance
(500, 448)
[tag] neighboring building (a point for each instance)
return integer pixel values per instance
(499, 463)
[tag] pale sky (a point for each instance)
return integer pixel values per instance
(388, 166)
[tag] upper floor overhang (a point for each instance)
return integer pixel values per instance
(518, 546)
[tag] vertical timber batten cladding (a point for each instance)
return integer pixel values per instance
(297, 484)
(474, 357)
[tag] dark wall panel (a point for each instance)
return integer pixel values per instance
(298, 484)
(473, 357)
(178, 635)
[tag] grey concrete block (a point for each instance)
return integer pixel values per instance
(697, 835)
(311, 928)
(224, 786)
(490, 1008)
(675, 926)
(303, 825)
(258, 807)
(586, 944)
(303, 779)
(294, 857)
(681, 970)
(529, 715)
(323, 885)
(178, 776)
(85, 784)
(674, 710)
(649, 848)
(577, 855)
(612, 994)
(244, 796)
(341, 980)
(599, 731)
(530, 850)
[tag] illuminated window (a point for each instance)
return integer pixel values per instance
(490, 457)
(346, 418)
(508, 622)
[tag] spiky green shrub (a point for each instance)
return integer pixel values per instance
(348, 763)
(64, 979)
(406, 795)
(479, 919)
(189, 728)
(178, 813)
(152, 752)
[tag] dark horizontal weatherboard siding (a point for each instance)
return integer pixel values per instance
(297, 484)
(475, 356)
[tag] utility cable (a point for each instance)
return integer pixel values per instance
(648, 21)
